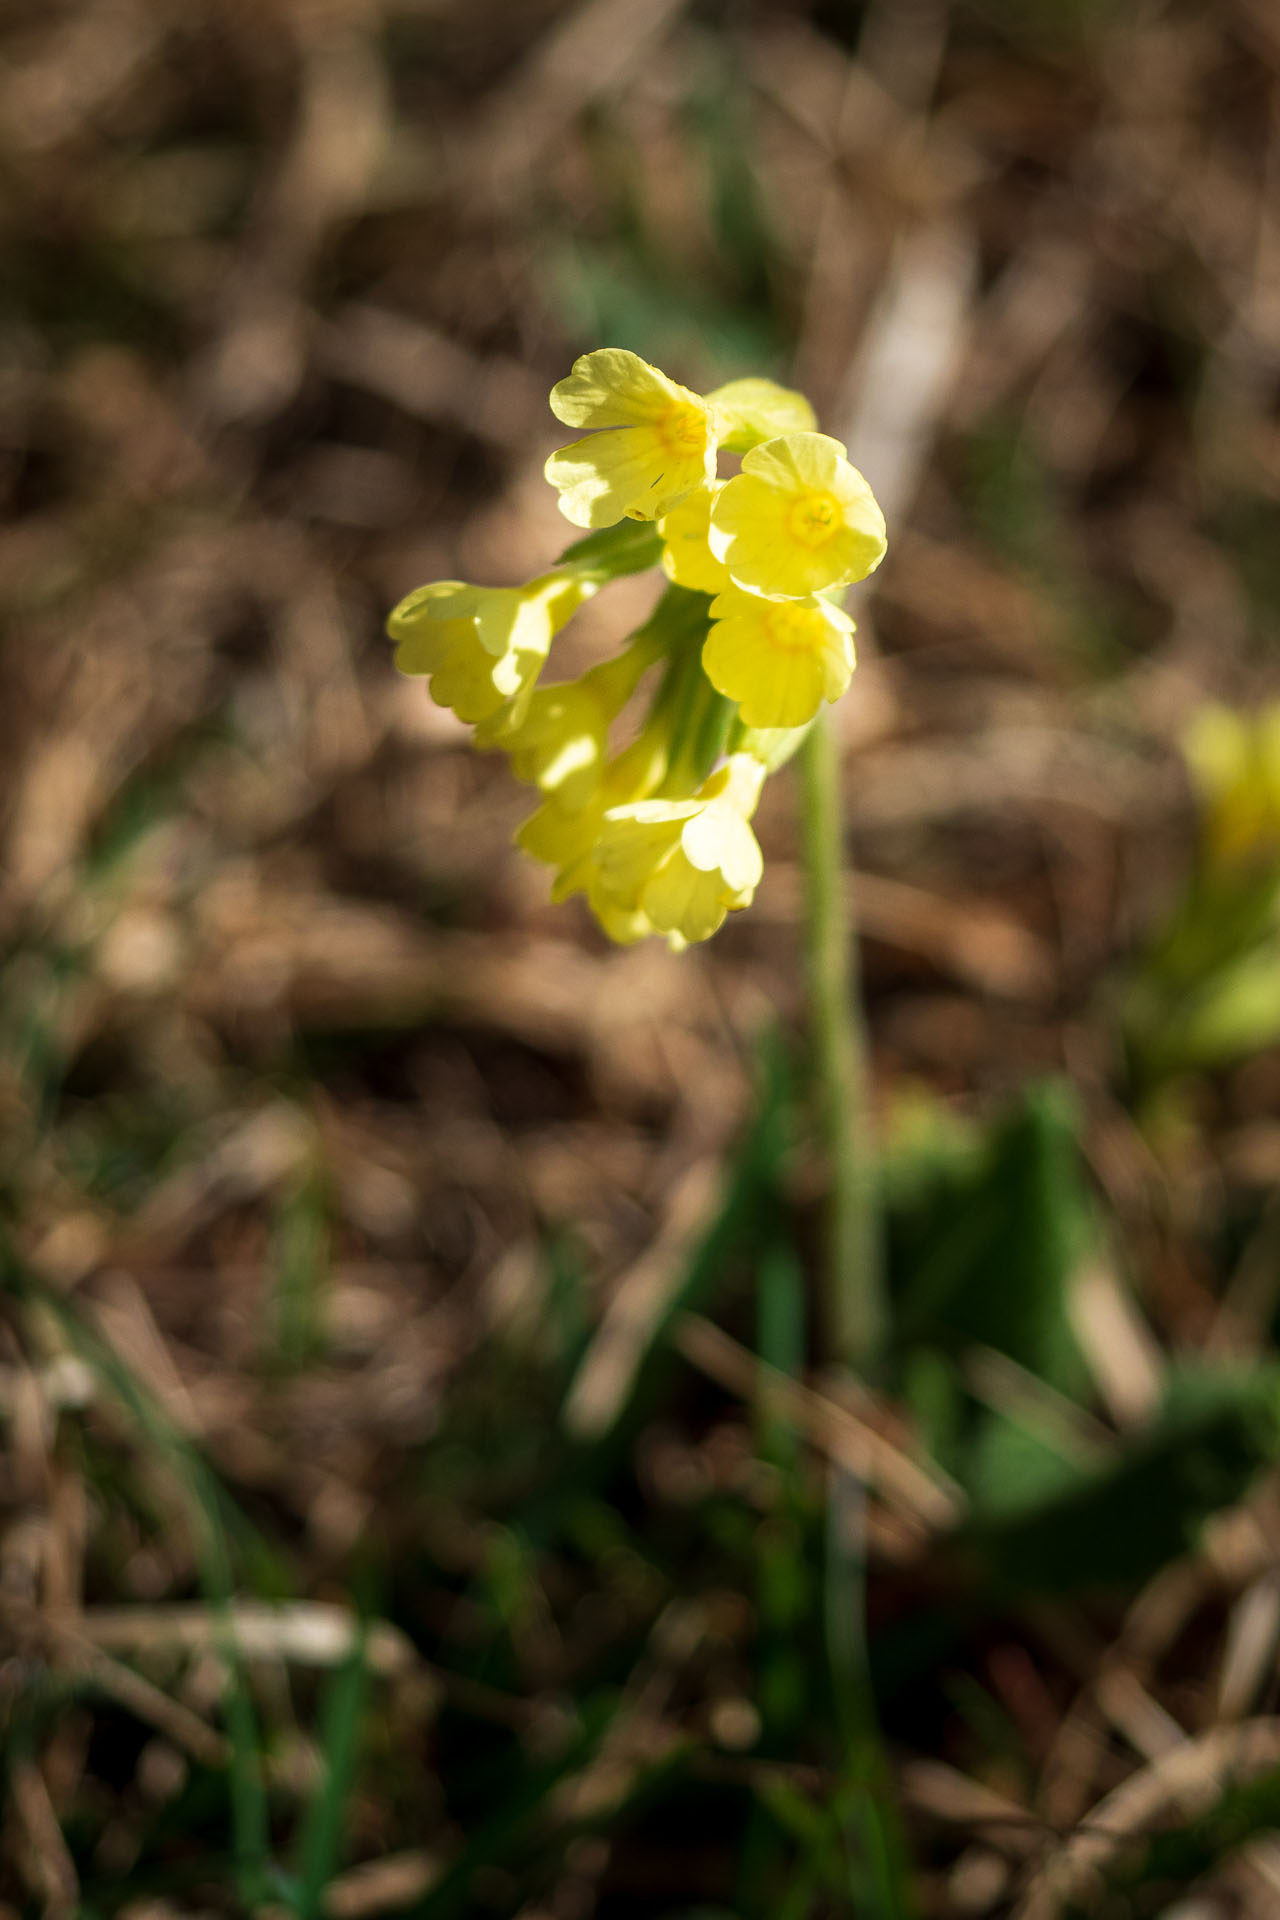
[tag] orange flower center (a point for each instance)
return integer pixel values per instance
(814, 518)
(682, 429)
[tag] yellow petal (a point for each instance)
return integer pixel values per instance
(483, 646)
(778, 659)
(614, 388)
(750, 411)
(462, 677)
(720, 841)
(794, 461)
(566, 836)
(797, 520)
(686, 557)
(680, 898)
(423, 604)
(626, 470)
(634, 842)
(561, 744)
(862, 542)
(556, 835)
(623, 925)
(773, 689)
(422, 648)
(528, 616)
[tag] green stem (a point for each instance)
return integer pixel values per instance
(854, 1257)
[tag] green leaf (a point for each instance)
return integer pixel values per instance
(1118, 1525)
(984, 1250)
(1010, 1469)
(632, 546)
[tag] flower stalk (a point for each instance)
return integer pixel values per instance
(855, 1295)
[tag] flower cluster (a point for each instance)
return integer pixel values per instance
(744, 647)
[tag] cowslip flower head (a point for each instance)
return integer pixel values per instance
(684, 864)
(797, 519)
(655, 440)
(779, 659)
(687, 559)
(483, 647)
(745, 640)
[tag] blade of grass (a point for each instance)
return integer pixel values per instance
(780, 1341)
(321, 1836)
(495, 1840)
(782, 1583)
(301, 1261)
(878, 1876)
(207, 1501)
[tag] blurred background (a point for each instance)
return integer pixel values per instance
(425, 1488)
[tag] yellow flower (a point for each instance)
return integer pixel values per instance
(556, 738)
(482, 646)
(750, 411)
(657, 440)
(623, 925)
(684, 864)
(686, 557)
(797, 519)
(563, 834)
(779, 659)
(565, 837)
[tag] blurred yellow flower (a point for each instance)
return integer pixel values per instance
(623, 925)
(482, 646)
(556, 738)
(686, 557)
(779, 659)
(563, 833)
(566, 837)
(797, 519)
(684, 864)
(1235, 760)
(655, 442)
(751, 410)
